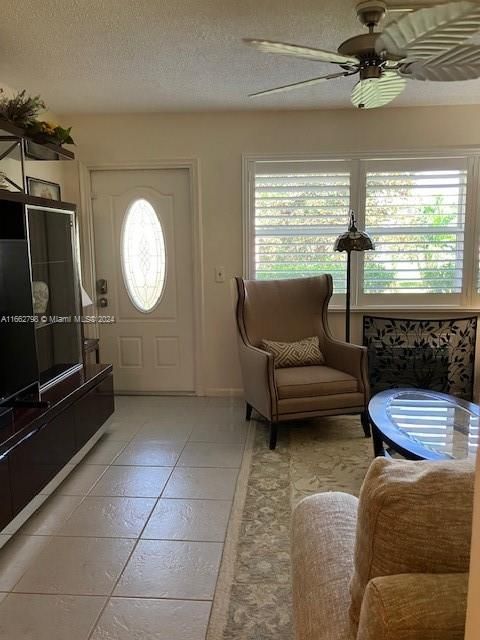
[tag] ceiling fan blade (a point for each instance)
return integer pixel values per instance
(461, 63)
(377, 92)
(303, 83)
(429, 32)
(308, 53)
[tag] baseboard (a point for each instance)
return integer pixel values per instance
(155, 393)
(224, 393)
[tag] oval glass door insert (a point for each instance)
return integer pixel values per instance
(143, 256)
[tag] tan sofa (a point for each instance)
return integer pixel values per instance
(289, 310)
(392, 565)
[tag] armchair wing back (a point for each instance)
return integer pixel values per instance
(284, 310)
(287, 311)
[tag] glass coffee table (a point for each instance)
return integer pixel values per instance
(423, 425)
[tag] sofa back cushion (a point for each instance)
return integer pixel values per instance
(413, 517)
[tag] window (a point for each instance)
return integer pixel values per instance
(420, 213)
(299, 211)
(143, 256)
(416, 219)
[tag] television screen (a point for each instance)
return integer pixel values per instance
(18, 360)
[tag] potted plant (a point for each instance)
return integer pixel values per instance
(42, 131)
(21, 109)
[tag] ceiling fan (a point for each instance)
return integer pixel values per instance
(426, 44)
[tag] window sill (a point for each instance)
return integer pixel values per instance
(406, 309)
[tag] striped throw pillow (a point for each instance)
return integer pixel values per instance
(301, 353)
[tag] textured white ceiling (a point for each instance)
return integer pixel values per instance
(170, 55)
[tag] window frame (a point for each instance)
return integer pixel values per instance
(359, 164)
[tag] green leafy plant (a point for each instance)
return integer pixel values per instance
(21, 109)
(47, 132)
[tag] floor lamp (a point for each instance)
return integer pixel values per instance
(351, 240)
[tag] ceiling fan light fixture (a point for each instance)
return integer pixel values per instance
(374, 92)
(364, 92)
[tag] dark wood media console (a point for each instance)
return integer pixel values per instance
(36, 443)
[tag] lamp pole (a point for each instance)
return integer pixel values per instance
(352, 240)
(347, 302)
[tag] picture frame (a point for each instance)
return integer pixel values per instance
(43, 189)
(36, 151)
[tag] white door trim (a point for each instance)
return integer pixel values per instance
(88, 232)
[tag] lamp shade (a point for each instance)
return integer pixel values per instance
(353, 239)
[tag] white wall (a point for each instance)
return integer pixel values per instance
(218, 141)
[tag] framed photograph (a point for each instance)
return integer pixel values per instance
(43, 189)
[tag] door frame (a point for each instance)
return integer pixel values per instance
(87, 240)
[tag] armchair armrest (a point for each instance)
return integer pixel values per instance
(258, 379)
(414, 606)
(350, 358)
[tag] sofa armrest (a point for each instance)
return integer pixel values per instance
(350, 358)
(323, 539)
(414, 607)
(258, 379)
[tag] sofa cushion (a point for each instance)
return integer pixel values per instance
(413, 517)
(415, 607)
(305, 382)
(301, 353)
(323, 538)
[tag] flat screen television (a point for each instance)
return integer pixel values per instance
(18, 358)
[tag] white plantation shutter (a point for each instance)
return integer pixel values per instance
(416, 218)
(422, 214)
(298, 213)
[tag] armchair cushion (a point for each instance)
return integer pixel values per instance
(306, 382)
(415, 606)
(413, 517)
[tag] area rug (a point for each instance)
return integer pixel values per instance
(253, 595)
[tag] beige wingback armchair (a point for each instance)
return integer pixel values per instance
(289, 310)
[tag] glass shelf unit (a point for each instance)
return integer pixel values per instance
(55, 290)
(15, 148)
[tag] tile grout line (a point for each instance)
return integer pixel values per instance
(98, 618)
(102, 595)
(250, 433)
(156, 499)
(55, 534)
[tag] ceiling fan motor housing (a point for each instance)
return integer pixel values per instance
(370, 71)
(362, 46)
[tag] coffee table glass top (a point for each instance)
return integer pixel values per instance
(437, 423)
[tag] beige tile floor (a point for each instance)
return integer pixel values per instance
(129, 546)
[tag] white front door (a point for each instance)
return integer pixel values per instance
(143, 252)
